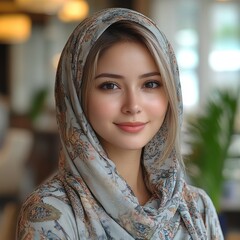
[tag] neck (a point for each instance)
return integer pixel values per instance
(128, 164)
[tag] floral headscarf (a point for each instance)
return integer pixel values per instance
(103, 205)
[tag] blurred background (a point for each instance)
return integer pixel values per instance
(205, 35)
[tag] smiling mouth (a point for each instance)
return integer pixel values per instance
(131, 127)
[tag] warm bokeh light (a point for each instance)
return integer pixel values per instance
(41, 6)
(74, 10)
(14, 28)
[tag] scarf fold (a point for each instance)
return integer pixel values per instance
(103, 203)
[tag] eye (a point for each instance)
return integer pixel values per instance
(108, 86)
(152, 84)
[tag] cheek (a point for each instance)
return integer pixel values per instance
(99, 108)
(159, 106)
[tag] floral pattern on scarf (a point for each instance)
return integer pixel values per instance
(88, 199)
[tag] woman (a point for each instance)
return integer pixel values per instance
(119, 111)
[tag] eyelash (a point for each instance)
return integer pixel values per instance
(105, 85)
(157, 84)
(108, 85)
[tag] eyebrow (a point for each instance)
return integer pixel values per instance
(108, 75)
(111, 75)
(150, 74)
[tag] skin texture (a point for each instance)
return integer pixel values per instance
(126, 107)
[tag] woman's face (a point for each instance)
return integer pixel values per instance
(127, 102)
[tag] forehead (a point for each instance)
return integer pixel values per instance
(125, 55)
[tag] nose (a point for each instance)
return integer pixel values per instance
(131, 103)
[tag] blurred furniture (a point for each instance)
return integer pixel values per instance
(14, 152)
(8, 220)
(43, 158)
(13, 156)
(232, 224)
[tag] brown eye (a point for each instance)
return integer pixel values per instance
(108, 86)
(152, 84)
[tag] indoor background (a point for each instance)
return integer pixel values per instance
(205, 35)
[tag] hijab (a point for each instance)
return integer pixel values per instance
(104, 206)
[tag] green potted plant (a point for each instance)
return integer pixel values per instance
(209, 138)
(38, 102)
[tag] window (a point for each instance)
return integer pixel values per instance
(206, 37)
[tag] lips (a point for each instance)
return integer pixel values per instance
(131, 127)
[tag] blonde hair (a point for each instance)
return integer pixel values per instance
(130, 31)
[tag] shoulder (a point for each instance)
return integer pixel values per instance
(208, 212)
(45, 212)
(202, 199)
(49, 196)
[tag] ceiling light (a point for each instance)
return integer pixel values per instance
(14, 28)
(73, 10)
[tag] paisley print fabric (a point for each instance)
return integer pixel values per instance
(88, 199)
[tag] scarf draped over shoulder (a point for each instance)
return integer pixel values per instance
(88, 198)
